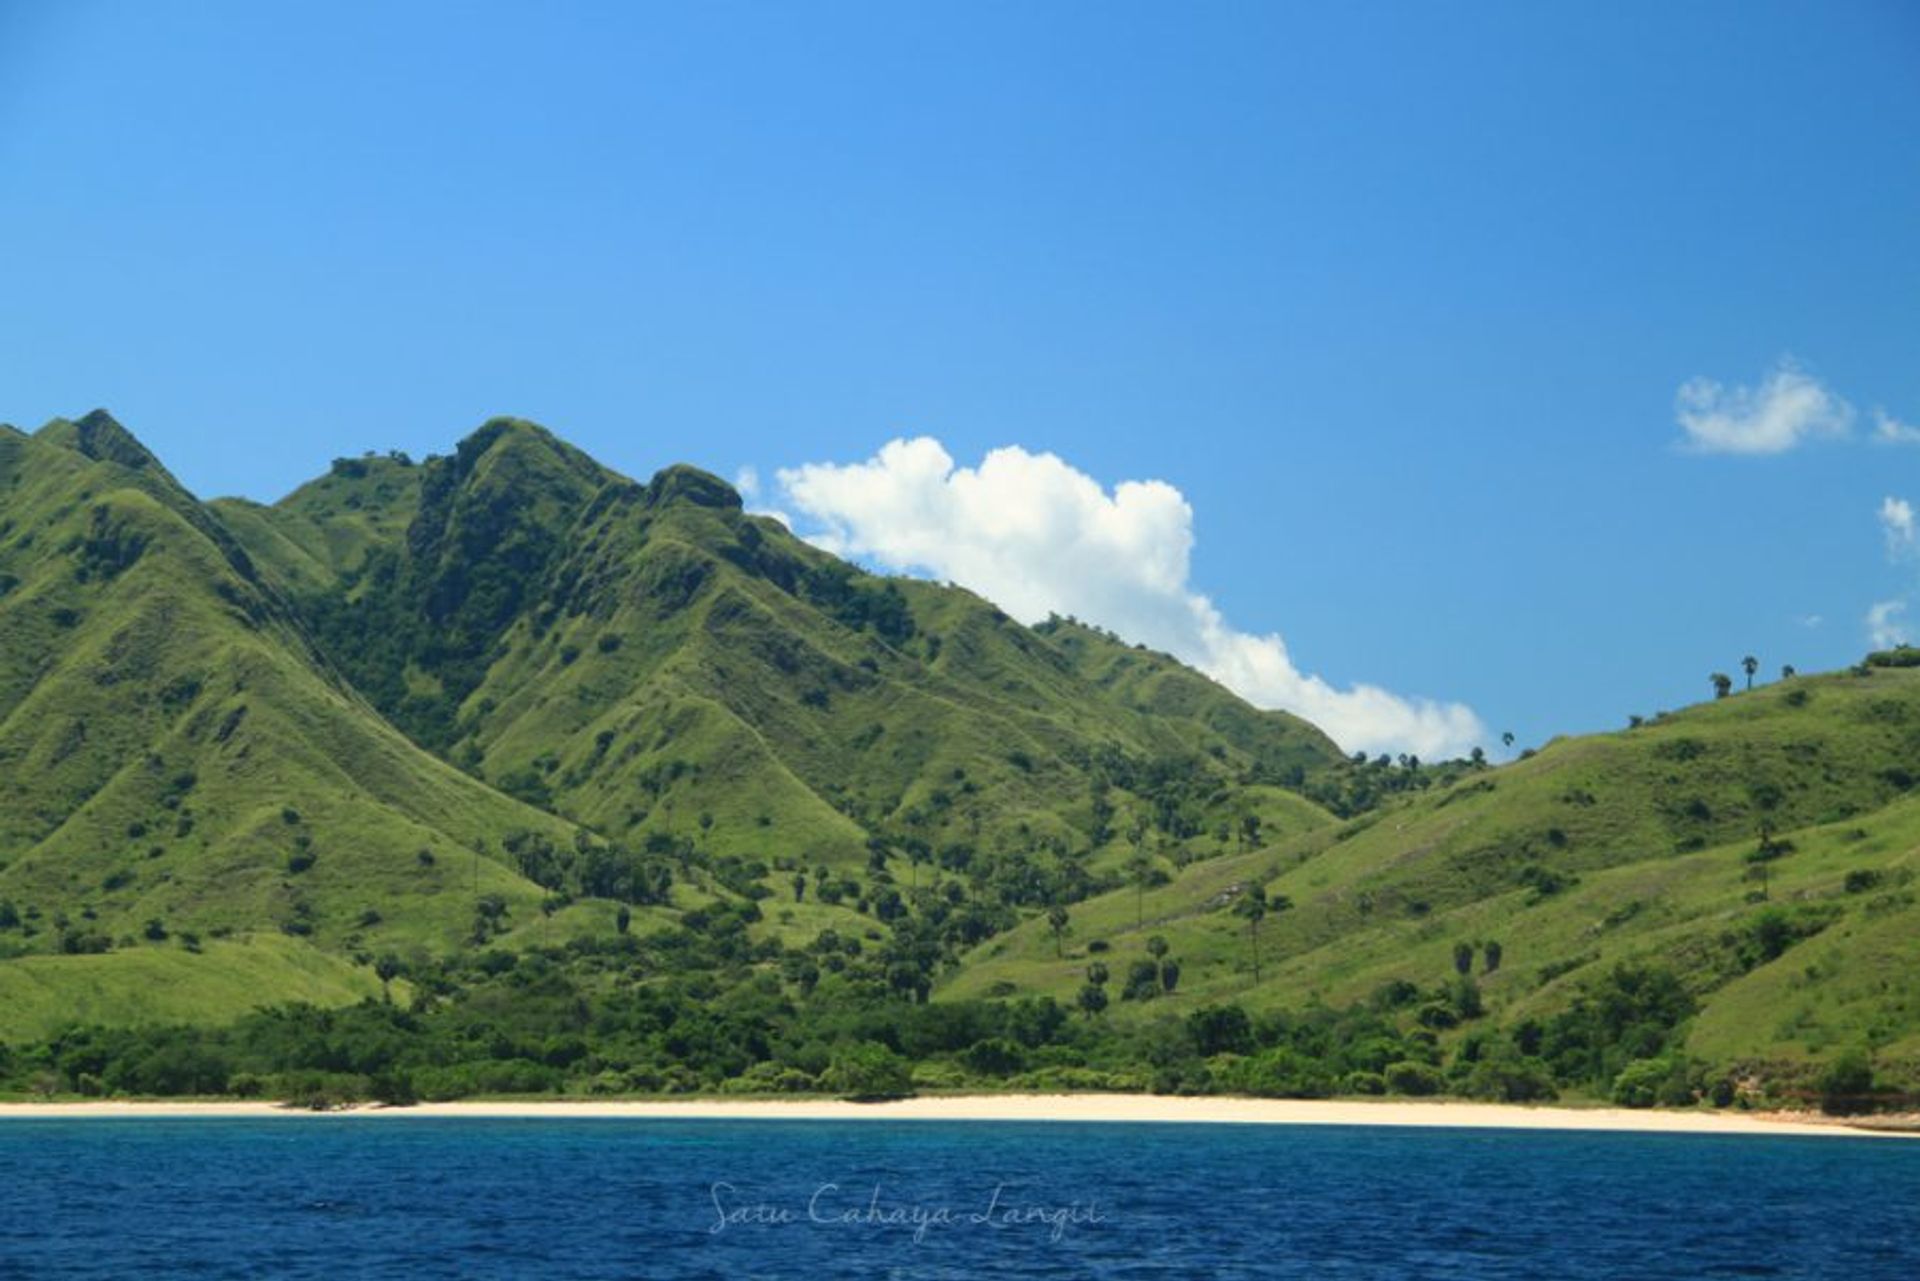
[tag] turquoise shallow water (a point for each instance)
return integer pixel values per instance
(398, 1197)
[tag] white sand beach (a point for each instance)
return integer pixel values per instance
(1032, 1107)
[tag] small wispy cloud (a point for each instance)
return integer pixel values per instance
(1896, 525)
(1888, 430)
(1885, 621)
(1788, 408)
(1885, 629)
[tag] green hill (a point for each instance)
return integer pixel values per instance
(1761, 847)
(634, 790)
(653, 662)
(174, 750)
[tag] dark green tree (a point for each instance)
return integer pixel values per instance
(1846, 1083)
(1143, 981)
(387, 969)
(867, 1070)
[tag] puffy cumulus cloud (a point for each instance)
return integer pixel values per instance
(1037, 536)
(1884, 626)
(1896, 523)
(1787, 408)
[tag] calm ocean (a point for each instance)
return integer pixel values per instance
(395, 1197)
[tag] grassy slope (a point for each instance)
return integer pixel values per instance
(1642, 890)
(169, 746)
(325, 528)
(163, 984)
(1185, 702)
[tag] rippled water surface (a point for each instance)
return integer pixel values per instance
(416, 1197)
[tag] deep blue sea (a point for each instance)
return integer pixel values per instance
(468, 1198)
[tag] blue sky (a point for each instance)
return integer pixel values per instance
(1400, 299)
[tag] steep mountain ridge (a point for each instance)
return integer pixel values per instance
(644, 656)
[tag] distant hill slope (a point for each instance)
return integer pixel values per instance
(1644, 845)
(40, 995)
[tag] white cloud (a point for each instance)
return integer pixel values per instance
(1888, 430)
(1036, 536)
(1884, 628)
(1787, 408)
(1810, 621)
(747, 481)
(1896, 523)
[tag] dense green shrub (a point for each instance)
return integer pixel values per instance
(1412, 1078)
(1846, 1083)
(1363, 1083)
(1639, 1083)
(868, 1070)
(1505, 1076)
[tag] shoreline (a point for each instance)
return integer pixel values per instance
(1093, 1108)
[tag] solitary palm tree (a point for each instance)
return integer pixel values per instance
(1506, 739)
(1786, 672)
(1722, 684)
(1140, 872)
(1750, 665)
(1057, 920)
(1254, 905)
